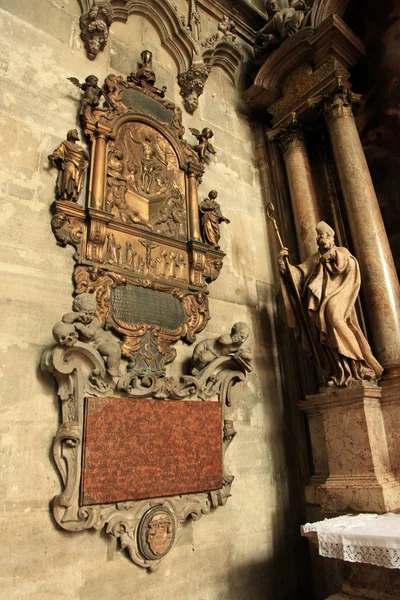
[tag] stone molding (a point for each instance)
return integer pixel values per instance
(311, 60)
(359, 455)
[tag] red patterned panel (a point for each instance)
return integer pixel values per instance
(150, 448)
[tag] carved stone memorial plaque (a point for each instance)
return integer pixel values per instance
(139, 451)
(148, 449)
(140, 305)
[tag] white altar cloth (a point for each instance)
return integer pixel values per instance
(364, 538)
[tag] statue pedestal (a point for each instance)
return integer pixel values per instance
(355, 448)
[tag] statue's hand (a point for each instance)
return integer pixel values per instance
(282, 260)
(328, 256)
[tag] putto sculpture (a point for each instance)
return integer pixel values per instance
(224, 345)
(211, 217)
(204, 147)
(91, 92)
(72, 161)
(90, 331)
(325, 323)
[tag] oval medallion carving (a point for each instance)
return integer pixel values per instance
(156, 533)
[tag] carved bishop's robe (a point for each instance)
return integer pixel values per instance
(329, 291)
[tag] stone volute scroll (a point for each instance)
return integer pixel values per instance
(143, 262)
(327, 285)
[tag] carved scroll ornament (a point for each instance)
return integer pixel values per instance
(147, 528)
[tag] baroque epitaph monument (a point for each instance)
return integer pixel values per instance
(139, 451)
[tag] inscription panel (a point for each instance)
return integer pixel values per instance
(136, 449)
(146, 105)
(132, 304)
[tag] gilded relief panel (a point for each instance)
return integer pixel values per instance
(145, 258)
(145, 185)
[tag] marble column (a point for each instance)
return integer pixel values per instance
(193, 207)
(99, 152)
(380, 284)
(302, 192)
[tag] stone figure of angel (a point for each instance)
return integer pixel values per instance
(204, 146)
(91, 92)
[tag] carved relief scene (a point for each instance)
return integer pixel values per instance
(144, 184)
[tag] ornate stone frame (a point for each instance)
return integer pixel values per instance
(80, 372)
(80, 367)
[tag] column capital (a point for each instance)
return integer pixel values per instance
(289, 137)
(338, 102)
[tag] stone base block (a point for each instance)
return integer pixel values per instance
(352, 430)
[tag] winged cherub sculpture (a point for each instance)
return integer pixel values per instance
(204, 146)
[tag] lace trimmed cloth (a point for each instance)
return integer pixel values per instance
(365, 538)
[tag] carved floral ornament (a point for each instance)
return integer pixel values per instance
(181, 36)
(144, 254)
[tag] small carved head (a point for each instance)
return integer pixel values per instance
(239, 333)
(271, 6)
(65, 334)
(207, 133)
(132, 168)
(93, 12)
(201, 298)
(325, 236)
(85, 304)
(218, 265)
(73, 135)
(192, 101)
(118, 154)
(92, 80)
(213, 194)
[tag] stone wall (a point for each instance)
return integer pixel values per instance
(248, 549)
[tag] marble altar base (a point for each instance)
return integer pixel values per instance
(354, 445)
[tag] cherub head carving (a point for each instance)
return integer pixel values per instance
(240, 333)
(85, 304)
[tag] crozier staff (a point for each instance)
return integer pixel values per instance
(328, 283)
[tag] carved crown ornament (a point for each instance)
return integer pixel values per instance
(145, 252)
(181, 35)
